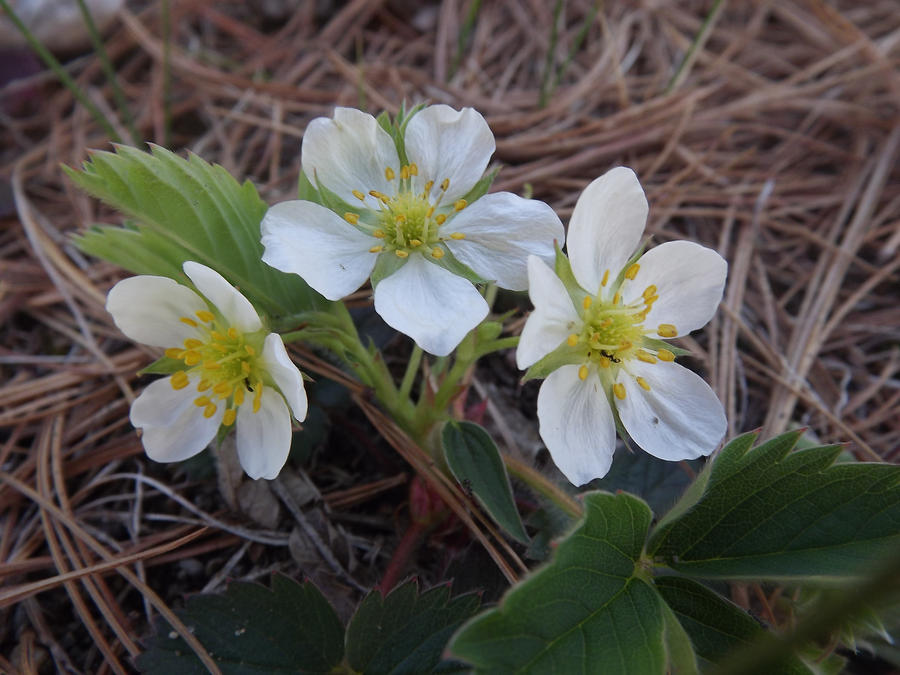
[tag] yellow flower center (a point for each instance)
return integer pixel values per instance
(407, 221)
(613, 332)
(228, 362)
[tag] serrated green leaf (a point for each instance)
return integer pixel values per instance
(716, 626)
(405, 632)
(768, 513)
(251, 629)
(589, 611)
(475, 462)
(186, 210)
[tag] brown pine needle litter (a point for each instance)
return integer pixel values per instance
(769, 131)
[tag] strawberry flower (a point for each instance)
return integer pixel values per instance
(597, 334)
(230, 370)
(407, 222)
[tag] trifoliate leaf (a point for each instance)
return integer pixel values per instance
(186, 209)
(592, 610)
(250, 629)
(405, 632)
(769, 513)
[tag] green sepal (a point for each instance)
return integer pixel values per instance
(563, 269)
(450, 263)
(162, 366)
(481, 188)
(385, 265)
(306, 190)
(564, 355)
(653, 343)
(489, 330)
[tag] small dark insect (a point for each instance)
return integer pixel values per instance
(611, 357)
(466, 486)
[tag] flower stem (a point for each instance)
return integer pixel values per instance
(415, 359)
(542, 485)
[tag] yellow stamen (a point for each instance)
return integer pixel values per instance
(389, 173)
(245, 368)
(222, 349)
(257, 396)
(572, 340)
(604, 362)
(649, 292)
(625, 345)
(666, 330)
(376, 249)
(458, 236)
(586, 303)
(250, 350)
(205, 315)
(359, 195)
(415, 242)
(218, 336)
(583, 373)
(239, 395)
(649, 301)
(352, 218)
(440, 218)
(404, 172)
(201, 401)
(605, 278)
(179, 380)
(174, 353)
(665, 355)
(228, 418)
(428, 185)
(189, 321)
(233, 333)
(400, 253)
(619, 391)
(459, 204)
(203, 385)
(437, 253)
(191, 343)
(222, 389)
(617, 297)
(646, 357)
(632, 271)
(378, 234)
(209, 410)
(644, 384)
(445, 184)
(211, 365)
(414, 170)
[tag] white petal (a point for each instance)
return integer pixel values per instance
(349, 152)
(431, 305)
(576, 424)
(307, 239)
(264, 437)
(446, 143)
(689, 280)
(502, 230)
(286, 375)
(236, 309)
(679, 418)
(554, 317)
(174, 428)
(148, 309)
(606, 226)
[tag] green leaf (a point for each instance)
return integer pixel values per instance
(405, 632)
(251, 629)
(306, 190)
(475, 462)
(716, 626)
(589, 611)
(682, 659)
(186, 209)
(768, 513)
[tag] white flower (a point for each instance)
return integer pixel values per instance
(233, 370)
(410, 219)
(600, 333)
